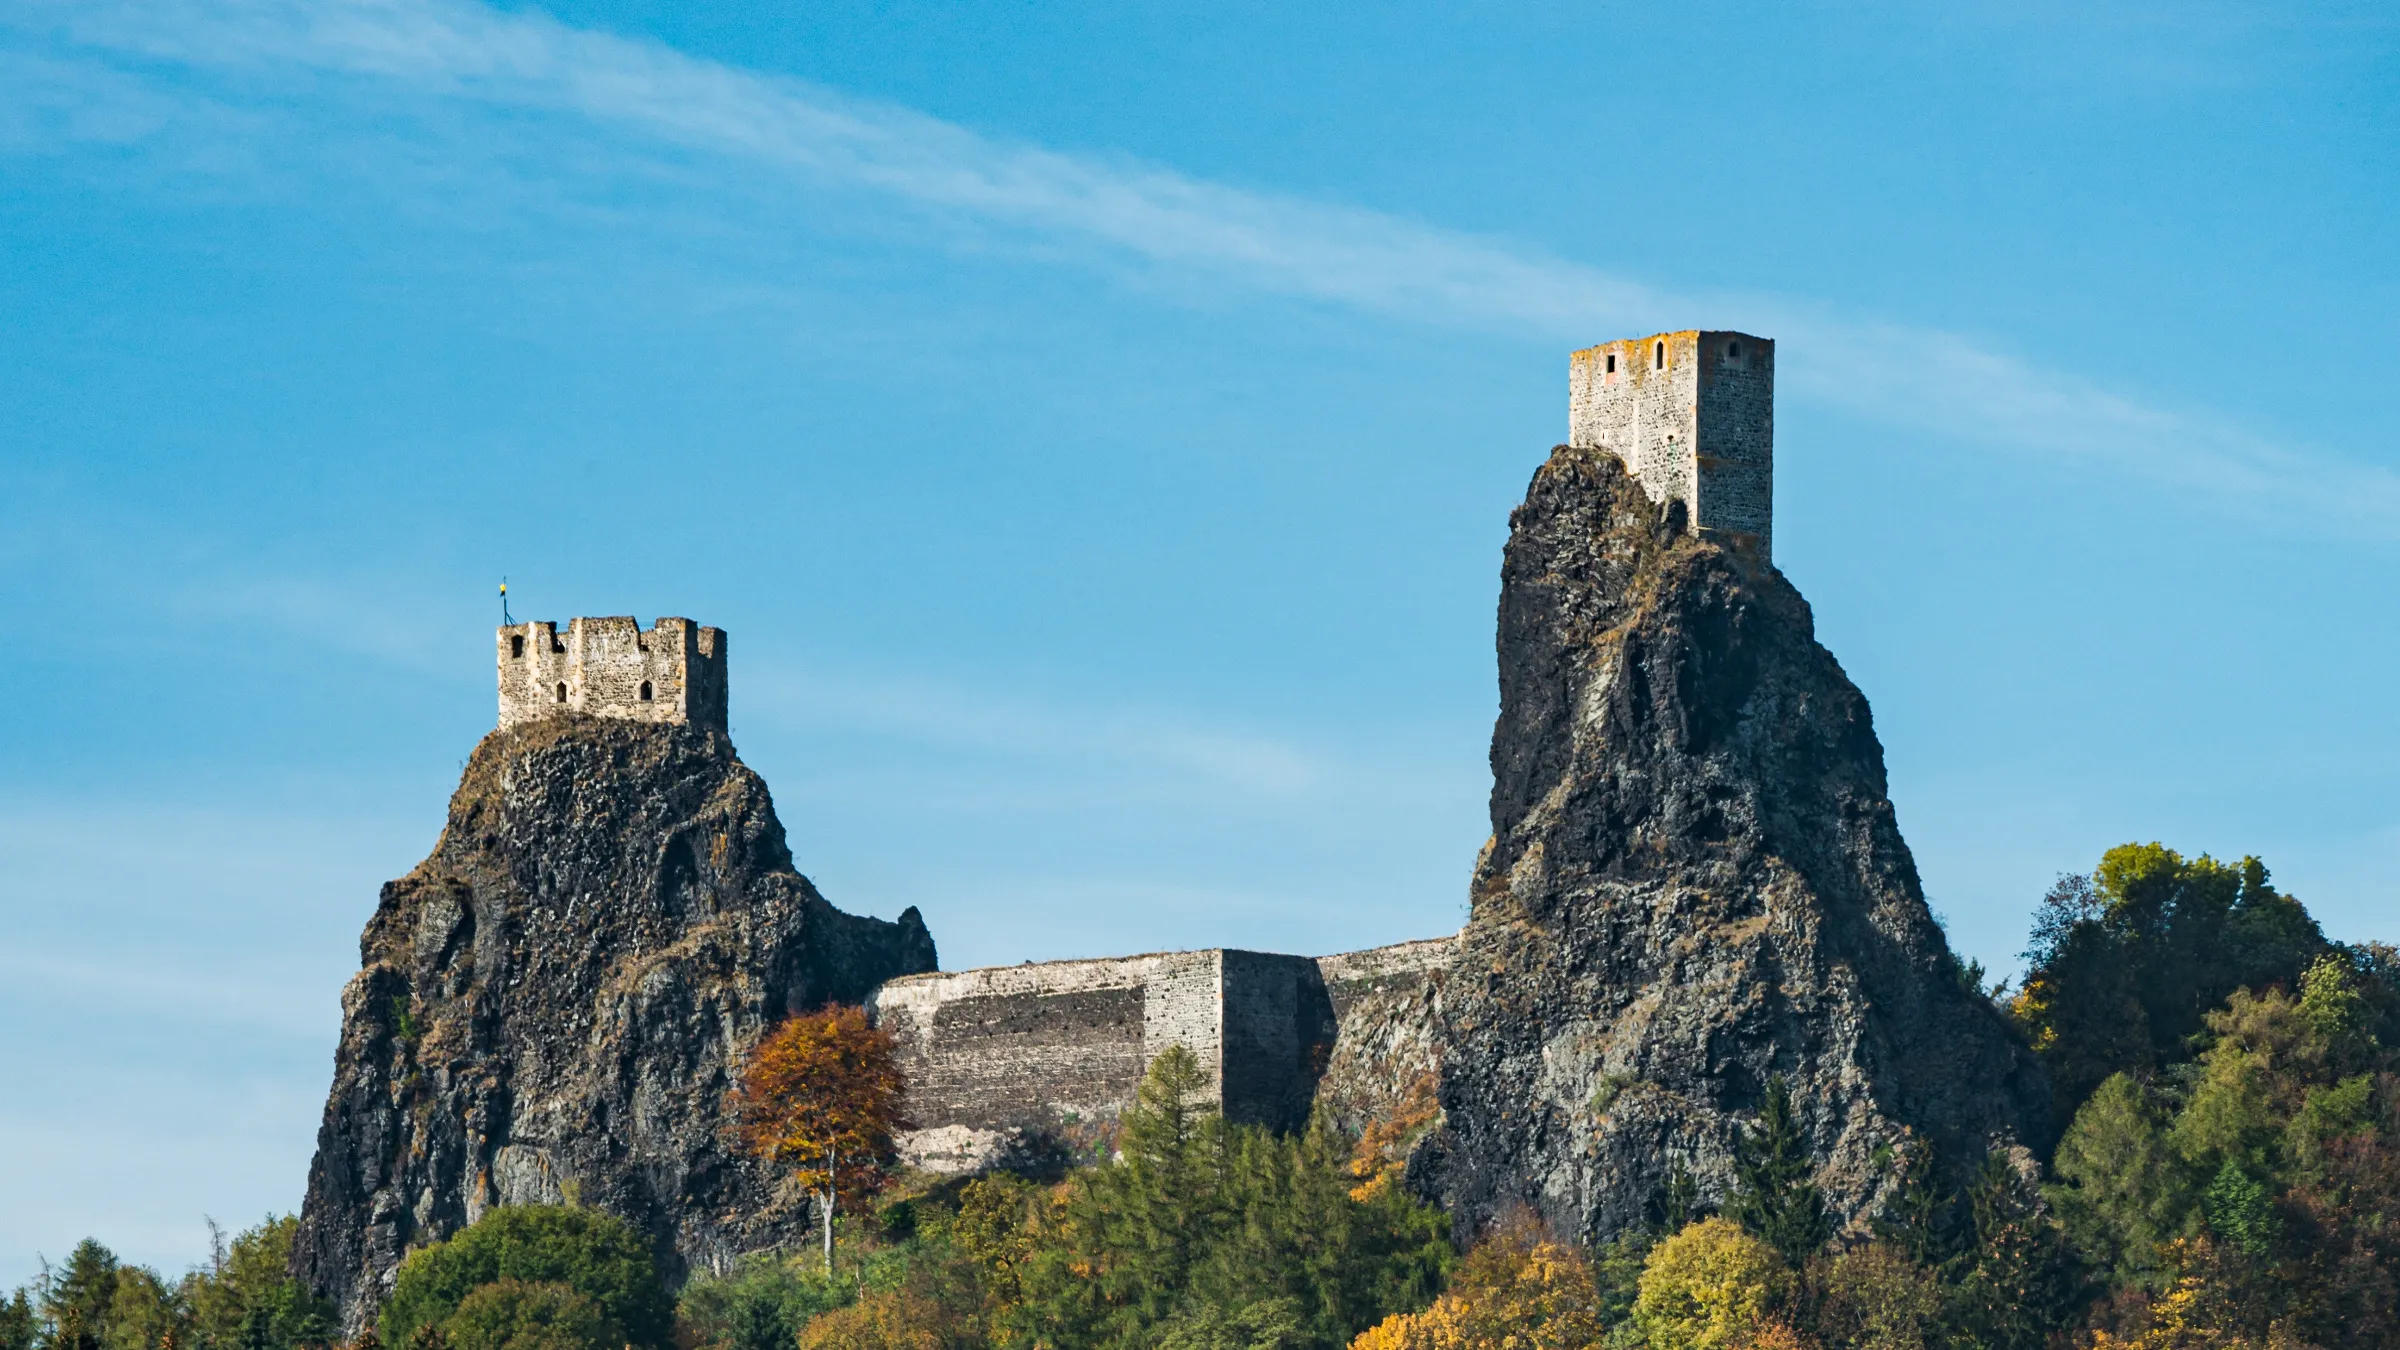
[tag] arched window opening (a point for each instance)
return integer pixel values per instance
(645, 691)
(1659, 355)
(516, 645)
(562, 693)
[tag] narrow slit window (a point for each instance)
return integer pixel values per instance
(516, 645)
(1612, 363)
(645, 691)
(562, 693)
(1658, 354)
(1734, 350)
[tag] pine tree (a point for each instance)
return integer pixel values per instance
(18, 1324)
(75, 1300)
(1775, 1190)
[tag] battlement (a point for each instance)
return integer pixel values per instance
(613, 667)
(1692, 415)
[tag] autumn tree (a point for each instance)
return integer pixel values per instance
(821, 1094)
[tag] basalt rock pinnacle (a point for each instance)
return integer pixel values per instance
(550, 1004)
(1695, 882)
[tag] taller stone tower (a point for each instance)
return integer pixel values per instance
(1692, 415)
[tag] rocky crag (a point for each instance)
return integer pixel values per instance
(1694, 882)
(550, 1003)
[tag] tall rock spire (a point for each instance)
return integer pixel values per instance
(1695, 882)
(551, 1004)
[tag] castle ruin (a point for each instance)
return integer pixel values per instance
(1692, 415)
(1009, 1061)
(613, 667)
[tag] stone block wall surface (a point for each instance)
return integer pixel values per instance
(673, 672)
(1039, 1056)
(1692, 416)
(1020, 1062)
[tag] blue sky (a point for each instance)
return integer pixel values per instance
(1096, 427)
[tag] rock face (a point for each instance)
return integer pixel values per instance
(1694, 882)
(550, 1004)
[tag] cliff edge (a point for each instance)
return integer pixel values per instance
(1694, 882)
(549, 1004)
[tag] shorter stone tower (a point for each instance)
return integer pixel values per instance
(673, 672)
(1692, 414)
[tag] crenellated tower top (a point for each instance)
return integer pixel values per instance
(613, 667)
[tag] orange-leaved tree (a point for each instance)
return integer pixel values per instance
(821, 1094)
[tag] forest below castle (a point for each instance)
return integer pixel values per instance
(2227, 1174)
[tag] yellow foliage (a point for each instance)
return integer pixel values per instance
(1710, 1287)
(1382, 1149)
(892, 1319)
(1513, 1294)
(2194, 1313)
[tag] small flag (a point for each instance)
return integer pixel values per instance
(504, 619)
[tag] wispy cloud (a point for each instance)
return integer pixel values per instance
(1153, 745)
(1943, 383)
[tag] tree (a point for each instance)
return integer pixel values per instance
(1712, 1286)
(599, 1256)
(1203, 1230)
(1876, 1298)
(247, 1299)
(17, 1323)
(75, 1301)
(1775, 1191)
(1519, 1287)
(2125, 964)
(821, 1094)
(516, 1315)
(2122, 1190)
(2019, 1282)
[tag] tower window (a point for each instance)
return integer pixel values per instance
(1734, 350)
(645, 691)
(516, 645)
(1659, 355)
(562, 693)
(1612, 363)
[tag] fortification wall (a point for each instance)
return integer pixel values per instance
(1040, 1056)
(1019, 1063)
(613, 667)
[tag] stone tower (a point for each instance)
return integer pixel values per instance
(612, 667)
(1692, 415)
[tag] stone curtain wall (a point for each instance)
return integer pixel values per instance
(1016, 1063)
(603, 664)
(1701, 431)
(1013, 1059)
